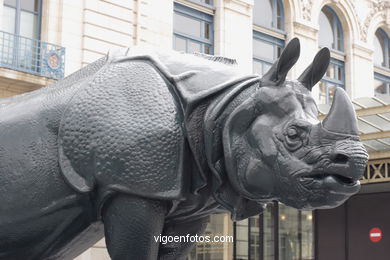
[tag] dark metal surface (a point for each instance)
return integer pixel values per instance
(149, 143)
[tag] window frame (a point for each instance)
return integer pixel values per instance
(336, 26)
(197, 15)
(274, 208)
(334, 82)
(203, 3)
(275, 17)
(386, 54)
(382, 73)
(276, 42)
(385, 79)
(337, 59)
(18, 11)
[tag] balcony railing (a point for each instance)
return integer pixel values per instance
(377, 171)
(31, 56)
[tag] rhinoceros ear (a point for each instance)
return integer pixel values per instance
(278, 72)
(316, 69)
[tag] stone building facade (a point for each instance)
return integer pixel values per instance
(43, 40)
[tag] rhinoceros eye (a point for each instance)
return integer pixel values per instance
(293, 138)
(292, 133)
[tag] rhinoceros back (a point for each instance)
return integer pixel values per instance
(122, 133)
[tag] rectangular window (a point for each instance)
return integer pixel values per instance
(192, 30)
(279, 233)
(334, 77)
(210, 250)
(266, 49)
(21, 48)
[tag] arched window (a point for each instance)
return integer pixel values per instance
(381, 63)
(331, 32)
(331, 36)
(267, 14)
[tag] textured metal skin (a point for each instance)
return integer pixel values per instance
(146, 143)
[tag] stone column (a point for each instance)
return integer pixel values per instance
(233, 31)
(363, 71)
(154, 23)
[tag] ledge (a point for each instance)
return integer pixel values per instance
(14, 82)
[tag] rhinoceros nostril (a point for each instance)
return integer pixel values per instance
(339, 158)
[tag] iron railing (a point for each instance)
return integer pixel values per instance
(31, 56)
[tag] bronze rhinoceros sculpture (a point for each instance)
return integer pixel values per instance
(142, 144)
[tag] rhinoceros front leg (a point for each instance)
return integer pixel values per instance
(180, 250)
(130, 224)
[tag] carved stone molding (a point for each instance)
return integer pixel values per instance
(307, 6)
(381, 7)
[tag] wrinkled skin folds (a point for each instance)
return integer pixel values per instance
(296, 159)
(150, 143)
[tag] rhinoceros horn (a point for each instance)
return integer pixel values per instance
(316, 69)
(278, 72)
(341, 118)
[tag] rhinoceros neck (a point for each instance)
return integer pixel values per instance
(196, 119)
(214, 120)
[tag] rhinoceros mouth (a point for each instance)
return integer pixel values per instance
(338, 177)
(334, 182)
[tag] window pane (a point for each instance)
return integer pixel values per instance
(388, 53)
(28, 25)
(288, 233)
(179, 44)
(263, 50)
(379, 49)
(194, 47)
(9, 19)
(258, 67)
(326, 92)
(10, 2)
(269, 238)
(242, 240)
(334, 72)
(330, 72)
(279, 15)
(195, 31)
(187, 25)
(254, 238)
(29, 5)
(210, 251)
(207, 49)
(326, 37)
(339, 73)
(307, 235)
(207, 31)
(380, 87)
(262, 13)
(339, 39)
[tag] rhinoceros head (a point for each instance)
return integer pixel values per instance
(275, 148)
